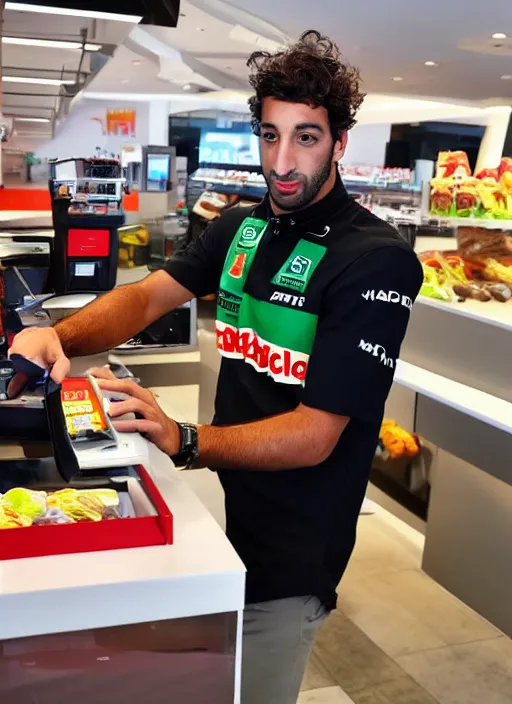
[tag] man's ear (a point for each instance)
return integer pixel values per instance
(340, 145)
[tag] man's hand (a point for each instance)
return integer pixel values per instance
(151, 421)
(42, 346)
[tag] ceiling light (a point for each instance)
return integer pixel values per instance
(92, 14)
(49, 43)
(125, 80)
(37, 81)
(499, 35)
(32, 119)
(397, 79)
(430, 63)
(136, 62)
(507, 77)
(187, 86)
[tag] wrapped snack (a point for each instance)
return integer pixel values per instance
(442, 196)
(397, 441)
(453, 165)
(504, 167)
(25, 502)
(12, 519)
(467, 199)
(77, 506)
(488, 175)
(85, 505)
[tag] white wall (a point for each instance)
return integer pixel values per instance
(367, 145)
(84, 130)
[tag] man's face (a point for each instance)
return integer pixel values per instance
(298, 153)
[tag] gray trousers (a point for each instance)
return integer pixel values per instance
(277, 640)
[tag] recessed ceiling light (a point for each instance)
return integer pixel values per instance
(397, 79)
(32, 119)
(49, 43)
(125, 80)
(499, 35)
(507, 77)
(430, 63)
(37, 81)
(187, 86)
(92, 14)
(136, 62)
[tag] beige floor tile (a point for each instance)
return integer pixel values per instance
(317, 676)
(472, 673)
(449, 619)
(402, 691)
(329, 695)
(351, 658)
(383, 620)
(382, 549)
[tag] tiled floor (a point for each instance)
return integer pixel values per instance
(399, 638)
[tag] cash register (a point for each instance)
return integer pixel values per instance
(61, 498)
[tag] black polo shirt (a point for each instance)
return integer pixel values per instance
(295, 530)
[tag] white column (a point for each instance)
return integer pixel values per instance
(491, 148)
(158, 120)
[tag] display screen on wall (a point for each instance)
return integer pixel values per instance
(220, 147)
(158, 172)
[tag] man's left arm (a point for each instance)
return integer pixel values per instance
(351, 370)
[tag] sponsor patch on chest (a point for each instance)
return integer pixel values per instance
(283, 365)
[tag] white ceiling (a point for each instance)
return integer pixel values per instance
(385, 39)
(23, 100)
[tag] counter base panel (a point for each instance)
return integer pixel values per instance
(184, 660)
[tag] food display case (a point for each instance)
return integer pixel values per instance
(451, 391)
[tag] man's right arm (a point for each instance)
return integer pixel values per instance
(120, 314)
(104, 324)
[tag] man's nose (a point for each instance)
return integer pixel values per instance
(285, 162)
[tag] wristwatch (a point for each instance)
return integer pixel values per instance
(188, 451)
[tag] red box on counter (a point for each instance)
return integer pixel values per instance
(152, 525)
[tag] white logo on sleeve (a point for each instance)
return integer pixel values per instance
(388, 297)
(296, 301)
(379, 352)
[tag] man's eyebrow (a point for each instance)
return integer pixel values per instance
(308, 126)
(298, 128)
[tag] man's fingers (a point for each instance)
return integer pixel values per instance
(60, 369)
(125, 386)
(102, 373)
(16, 385)
(146, 427)
(131, 405)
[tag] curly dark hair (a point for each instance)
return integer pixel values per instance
(311, 71)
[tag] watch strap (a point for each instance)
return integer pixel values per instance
(188, 451)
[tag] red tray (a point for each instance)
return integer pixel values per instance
(138, 532)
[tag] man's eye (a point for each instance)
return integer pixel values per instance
(307, 139)
(269, 136)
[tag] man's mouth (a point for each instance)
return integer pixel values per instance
(287, 188)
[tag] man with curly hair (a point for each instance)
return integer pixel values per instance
(314, 295)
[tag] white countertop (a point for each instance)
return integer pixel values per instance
(199, 574)
(472, 402)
